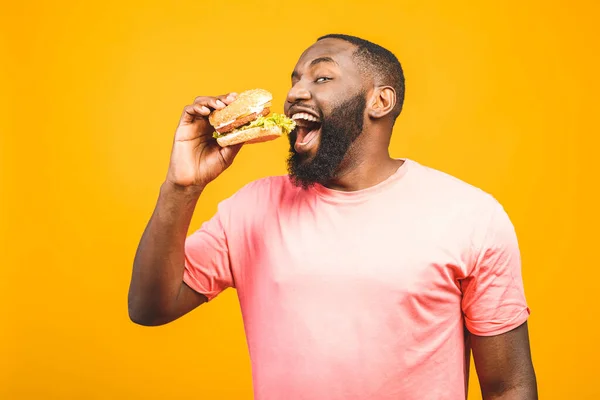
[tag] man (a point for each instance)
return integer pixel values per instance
(360, 276)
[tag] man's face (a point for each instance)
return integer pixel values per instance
(327, 100)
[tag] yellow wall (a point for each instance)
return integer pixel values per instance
(500, 94)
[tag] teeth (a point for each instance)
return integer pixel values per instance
(304, 116)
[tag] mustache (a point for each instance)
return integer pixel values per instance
(308, 107)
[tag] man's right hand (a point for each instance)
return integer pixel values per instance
(157, 293)
(196, 158)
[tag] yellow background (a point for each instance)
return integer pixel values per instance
(500, 94)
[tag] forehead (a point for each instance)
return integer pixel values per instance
(339, 50)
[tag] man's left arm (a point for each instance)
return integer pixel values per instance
(504, 367)
(496, 312)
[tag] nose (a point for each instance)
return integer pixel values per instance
(298, 92)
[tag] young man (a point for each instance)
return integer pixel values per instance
(360, 276)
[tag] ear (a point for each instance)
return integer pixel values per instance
(381, 102)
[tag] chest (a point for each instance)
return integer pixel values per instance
(396, 252)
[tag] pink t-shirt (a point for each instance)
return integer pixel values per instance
(366, 294)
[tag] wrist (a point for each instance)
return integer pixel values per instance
(172, 187)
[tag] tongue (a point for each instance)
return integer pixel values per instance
(304, 139)
(304, 135)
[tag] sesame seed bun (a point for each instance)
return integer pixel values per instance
(248, 102)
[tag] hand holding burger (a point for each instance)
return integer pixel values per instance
(197, 158)
(247, 120)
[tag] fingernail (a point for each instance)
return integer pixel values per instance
(205, 109)
(220, 103)
(232, 95)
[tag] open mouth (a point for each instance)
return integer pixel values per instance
(307, 131)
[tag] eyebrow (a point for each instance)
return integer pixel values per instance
(314, 62)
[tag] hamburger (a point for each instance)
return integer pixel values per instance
(247, 120)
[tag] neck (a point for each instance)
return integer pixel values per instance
(357, 173)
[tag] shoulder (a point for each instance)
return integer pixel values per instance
(256, 202)
(269, 189)
(470, 209)
(452, 190)
(258, 197)
(476, 215)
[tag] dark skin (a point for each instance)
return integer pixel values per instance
(504, 366)
(325, 73)
(322, 84)
(503, 362)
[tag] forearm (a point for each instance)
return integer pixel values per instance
(524, 390)
(159, 261)
(515, 393)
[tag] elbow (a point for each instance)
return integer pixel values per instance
(146, 318)
(140, 318)
(144, 314)
(143, 320)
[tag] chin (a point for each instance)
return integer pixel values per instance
(307, 157)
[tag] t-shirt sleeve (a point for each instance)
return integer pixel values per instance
(207, 262)
(493, 294)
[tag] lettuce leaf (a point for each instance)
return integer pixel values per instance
(287, 124)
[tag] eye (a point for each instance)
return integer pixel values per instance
(322, 79)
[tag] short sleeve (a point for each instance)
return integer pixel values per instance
(493, 295)
(207, 264)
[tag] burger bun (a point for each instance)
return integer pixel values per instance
(250, 135)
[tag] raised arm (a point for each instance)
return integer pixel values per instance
(157, 293)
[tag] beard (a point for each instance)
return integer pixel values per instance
(338, 131)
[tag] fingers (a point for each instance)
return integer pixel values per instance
(228, 98)
(204, 105)
(193, 112)
(216, 102)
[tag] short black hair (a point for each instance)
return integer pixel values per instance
(382, 62)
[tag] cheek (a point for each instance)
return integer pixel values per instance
(325, 100)
(325, 107)
(330, 104)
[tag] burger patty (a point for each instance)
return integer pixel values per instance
(242, 121)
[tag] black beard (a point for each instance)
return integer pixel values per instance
(338, 131)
